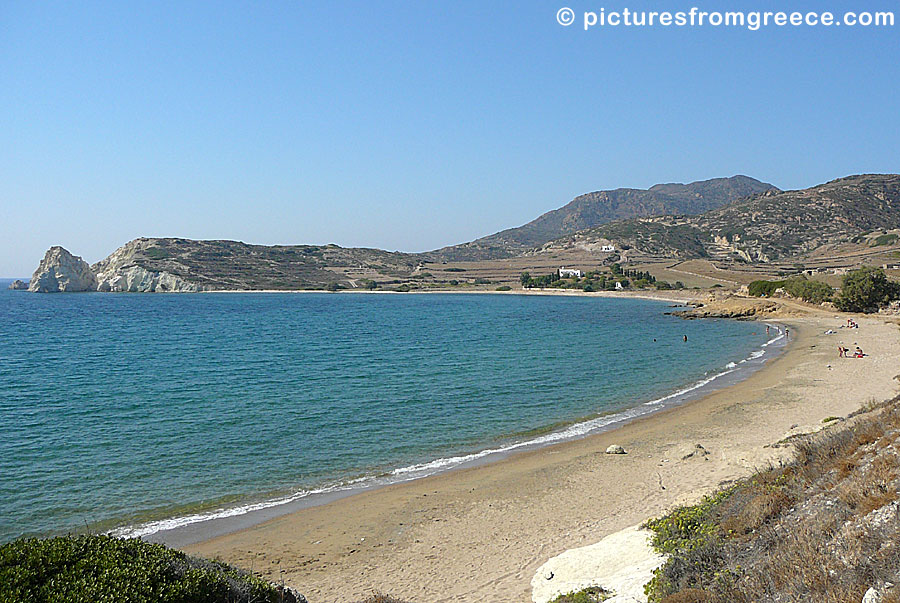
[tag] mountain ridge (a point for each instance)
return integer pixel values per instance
(762, 228)
(774, 225)
(600, 207)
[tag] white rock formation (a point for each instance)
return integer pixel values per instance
(61, 271)
(120, 273)
(622, 563)
(135, 279)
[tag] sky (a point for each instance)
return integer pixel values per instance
(406, 125)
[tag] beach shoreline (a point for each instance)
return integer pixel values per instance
(180, 531)
(479, 533)
(679, 296)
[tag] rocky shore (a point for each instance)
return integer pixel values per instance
(62, 272)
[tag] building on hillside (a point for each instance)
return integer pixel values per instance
(619, 286)
(569, 272)
(608, 248)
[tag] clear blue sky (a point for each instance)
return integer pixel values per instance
(405, 125)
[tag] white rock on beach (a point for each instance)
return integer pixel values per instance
(621, 563)
(61, 271)
(615, 449)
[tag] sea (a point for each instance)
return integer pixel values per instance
(145, 414)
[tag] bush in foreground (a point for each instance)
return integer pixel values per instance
(96, 568)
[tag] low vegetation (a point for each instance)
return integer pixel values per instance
(866, 290)
(824, 528)
(811, 291)
(616, 278)
(75, 569)
(591, 594)
(885, 239)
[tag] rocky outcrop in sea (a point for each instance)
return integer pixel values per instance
(60, 271)
(18, 285)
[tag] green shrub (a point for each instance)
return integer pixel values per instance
(814, 292)
(158, 253)
(686, 527)
(504, 288)
(591, 594)
(885, 239)
(866, 290)
(75, 569)
(764, 288)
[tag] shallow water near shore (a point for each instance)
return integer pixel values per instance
(141, 413)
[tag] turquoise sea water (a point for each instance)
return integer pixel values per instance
(117, 410)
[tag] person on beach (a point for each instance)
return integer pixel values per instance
(859, 353)
(787, 334)
(841, 351)
(767, 329)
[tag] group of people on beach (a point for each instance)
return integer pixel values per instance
(845, 352)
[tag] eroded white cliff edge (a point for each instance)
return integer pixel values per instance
(60, 271)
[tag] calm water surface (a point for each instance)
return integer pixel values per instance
(120, 409)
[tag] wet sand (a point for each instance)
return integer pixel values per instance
(479, 534)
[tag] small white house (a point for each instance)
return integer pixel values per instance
(619, 286)
(608, 248)
(569, 272)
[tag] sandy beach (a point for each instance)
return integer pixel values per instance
(479, 534)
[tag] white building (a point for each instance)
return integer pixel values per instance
(568, 272)
(608, 248)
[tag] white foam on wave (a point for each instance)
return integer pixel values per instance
(177, 522)
(420, 470)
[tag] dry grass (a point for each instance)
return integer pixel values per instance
(822, 529)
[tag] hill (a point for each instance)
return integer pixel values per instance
(601, 207)
(233, 265)
(856, 218)
(770, 226)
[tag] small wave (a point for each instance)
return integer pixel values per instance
(177, 522)
(731, 365)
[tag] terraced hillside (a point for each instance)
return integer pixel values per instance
(232, 265)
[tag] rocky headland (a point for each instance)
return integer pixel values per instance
(60, 271)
